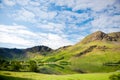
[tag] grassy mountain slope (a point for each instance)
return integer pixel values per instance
(92, 53)
(98, 52)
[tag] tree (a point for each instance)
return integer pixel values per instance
(33, 66)
(15, 65)
(115, 77)
(4, 64)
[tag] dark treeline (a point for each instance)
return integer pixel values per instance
(18, 65)
(31, 66)
(112, 63)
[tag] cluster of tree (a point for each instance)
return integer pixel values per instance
(112, 63)
(4, 64)
(54, 59)
(33, 66)
(18, 65)
(115, 77)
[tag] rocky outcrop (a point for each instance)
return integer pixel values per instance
(102, 37)
(86, 51)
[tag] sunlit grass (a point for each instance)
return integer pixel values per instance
(38, 76)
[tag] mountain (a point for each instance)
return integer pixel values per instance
(10, 53)
(39, 49)
(7, 53)
(90, 54)
(115, 36)
(97, 52)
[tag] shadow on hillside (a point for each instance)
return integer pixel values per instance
(12, 78)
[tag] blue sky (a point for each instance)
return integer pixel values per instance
(55, 23)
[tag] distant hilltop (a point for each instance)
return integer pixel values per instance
(99, 35)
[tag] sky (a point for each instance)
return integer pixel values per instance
(55, 23)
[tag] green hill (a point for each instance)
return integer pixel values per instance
(28, 53)
(98, 52)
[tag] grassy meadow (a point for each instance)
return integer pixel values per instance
(8, 75)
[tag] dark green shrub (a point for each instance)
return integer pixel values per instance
(115, 77)
(4, 64)
(2, 77)
(33, 66)
(47, 70)
(64, 63)
(15, 66)
(54, 59)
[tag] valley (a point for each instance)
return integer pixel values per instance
(96, 56)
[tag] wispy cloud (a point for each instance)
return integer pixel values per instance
(52, 27)
(61, 22)
(15, 34)
(9, 2)
(24, 15)
(19, 35)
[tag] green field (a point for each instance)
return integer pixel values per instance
(8, 75)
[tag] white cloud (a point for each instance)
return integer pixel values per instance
(101, 4)
(67, 16)
(45, 15)
(19, 35)
(34, 3)
(22, 2)
(106, 23)
(14, 2)
(54, 40)
(13, 39)
(12, 35)
(16, 29)
(69, 3)
(33, 14)
(96, 5)
(53, 27)
(24, 15)
(9, 2)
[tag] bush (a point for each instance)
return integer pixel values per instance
(64, 63)
(4, 64)
(15, 66)
(115, 77)
(47, 70)
(54, 59)
(33, 66)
